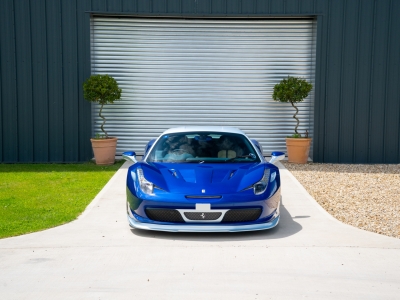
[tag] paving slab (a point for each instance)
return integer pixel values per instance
(98, 256)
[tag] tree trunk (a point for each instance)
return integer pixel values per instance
(294, 116)
(104, 121)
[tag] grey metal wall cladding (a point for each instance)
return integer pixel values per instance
(45, 49)
(176, 72)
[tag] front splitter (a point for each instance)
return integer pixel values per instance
(202, 228)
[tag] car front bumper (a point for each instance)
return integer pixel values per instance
(202, 227)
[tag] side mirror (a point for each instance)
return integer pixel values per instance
(276, 156)
(130, 156)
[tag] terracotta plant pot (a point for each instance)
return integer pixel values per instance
(298, 149)
(104, 150)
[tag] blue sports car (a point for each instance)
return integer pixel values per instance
(203, 179)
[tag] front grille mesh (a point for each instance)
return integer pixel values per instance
(231, 216)
(164, 215)
(242, 215)
(203, 216)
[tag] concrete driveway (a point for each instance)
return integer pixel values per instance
(309, 255)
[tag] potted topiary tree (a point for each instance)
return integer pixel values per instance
(102, 89)
(293, 90)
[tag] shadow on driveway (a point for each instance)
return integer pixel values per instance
(286, 227)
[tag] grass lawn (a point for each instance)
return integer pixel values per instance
(34, 197)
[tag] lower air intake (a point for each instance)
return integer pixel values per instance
(242, 215)
(164, 215)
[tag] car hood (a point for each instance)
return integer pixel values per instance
(203, 179)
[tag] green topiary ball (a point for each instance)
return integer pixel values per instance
(102, 89)
(291, 89)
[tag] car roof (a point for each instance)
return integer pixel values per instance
(204, 128)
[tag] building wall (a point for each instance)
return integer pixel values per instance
(45, 57)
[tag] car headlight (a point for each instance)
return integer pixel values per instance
(261, 186)
(146, 186)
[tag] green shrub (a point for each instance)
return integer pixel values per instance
(293, 90)
(102, 89)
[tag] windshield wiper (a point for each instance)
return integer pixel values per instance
(194, 161)
(250, 155)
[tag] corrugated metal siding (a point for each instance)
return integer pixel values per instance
(311, 77)
(56, 86)
(9, 99)
(40, 83)
(24, 81)
(45, 56)
(391, 132)
(201, 72)
(358, 124)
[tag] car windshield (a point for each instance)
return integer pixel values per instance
(203, 147)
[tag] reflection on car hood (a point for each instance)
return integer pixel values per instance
(203, 179)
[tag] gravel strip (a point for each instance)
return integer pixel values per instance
(364, 196)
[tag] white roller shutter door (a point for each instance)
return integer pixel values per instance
(177, 72)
